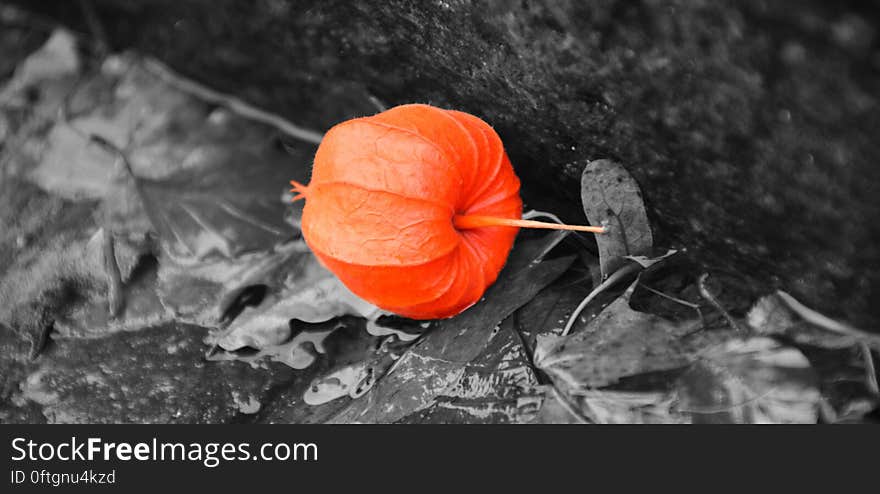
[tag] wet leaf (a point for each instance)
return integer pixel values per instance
(490, 388)
(611, 197)
(298, 352)
(438, 360)
(619, 342)
(348, 349)
(404, 329)
(357, 378)
(339, 383)
(309, 293)
(754, 380)
(395, 334)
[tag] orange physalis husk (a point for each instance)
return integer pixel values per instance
(414, 209)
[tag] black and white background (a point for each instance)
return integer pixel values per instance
(152, 270)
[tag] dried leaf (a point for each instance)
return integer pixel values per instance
(309, 294)
(647, 262)
(205, 198)
(619, 342)
(612, 198)
(608, 407)
(56, 59)
(754, 380)
(212, 185)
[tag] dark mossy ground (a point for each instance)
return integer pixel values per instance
(750, 125)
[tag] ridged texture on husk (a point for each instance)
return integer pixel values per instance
(380, 205)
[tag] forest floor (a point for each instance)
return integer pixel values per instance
(152, 271)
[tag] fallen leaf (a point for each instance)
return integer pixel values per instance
(619, 342)
(611, 197)
(347, 351)
(490, 388)
(608, 407)
(386, 325)
(647, 262)
(125, 104)
(309, 293)
(547, 313)
(219, 209)
(143, 308)
(438, 360)
(339, 383)
(755, 380)
(839, 353)
(56, 59)
(298, 352)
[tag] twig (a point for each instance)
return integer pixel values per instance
(865, 339)
(111, 269)
(581, 418)
(701, 285)
(685, 303)
(234, 104)
(817, 319)
(613, 279)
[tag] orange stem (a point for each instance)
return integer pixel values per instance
(465, 222)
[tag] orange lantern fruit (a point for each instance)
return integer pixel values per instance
(414, 209)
